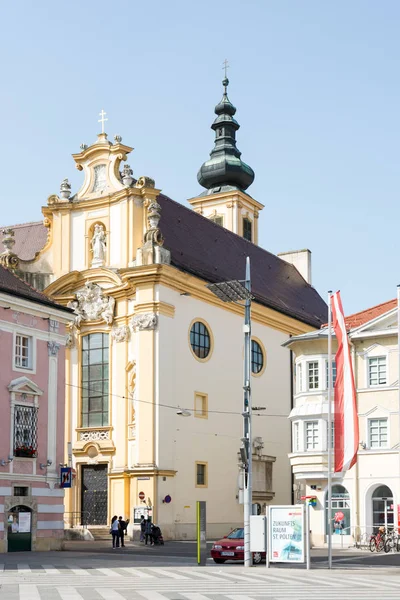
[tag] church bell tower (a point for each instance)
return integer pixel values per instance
(226, 178)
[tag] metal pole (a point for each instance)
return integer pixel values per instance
(396, 517)
(307, 507)
(247, 492)
(329, 436)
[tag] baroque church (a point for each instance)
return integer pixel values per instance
(154, 360)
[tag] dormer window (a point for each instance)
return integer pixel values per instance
(247, 229)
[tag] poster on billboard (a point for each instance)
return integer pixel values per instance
(286, 533)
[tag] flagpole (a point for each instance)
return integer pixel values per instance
(329, 436)
(396, 517)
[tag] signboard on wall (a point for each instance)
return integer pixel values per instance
(66, 477)
(24, 522)
(138, 511)
(286, 534)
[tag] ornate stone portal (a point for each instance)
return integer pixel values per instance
(91, 304)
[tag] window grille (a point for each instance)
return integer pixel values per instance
(25, 431)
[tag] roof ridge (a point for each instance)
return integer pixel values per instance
(28, 224)
(228, 231)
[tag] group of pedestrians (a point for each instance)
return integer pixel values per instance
(146, 531)
(118, 531)
(149, 532)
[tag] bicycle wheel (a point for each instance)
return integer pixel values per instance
(387, 546)
(372, 545)
(398, 543)
(380, 545)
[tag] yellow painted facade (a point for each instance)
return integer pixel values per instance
(146, 447)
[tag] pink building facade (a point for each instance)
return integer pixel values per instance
(32, 417)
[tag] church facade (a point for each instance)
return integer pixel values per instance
(154, 390)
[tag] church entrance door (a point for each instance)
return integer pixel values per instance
(94, 494)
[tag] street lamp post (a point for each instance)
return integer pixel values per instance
(233, 291)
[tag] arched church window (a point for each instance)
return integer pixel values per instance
(95, 380)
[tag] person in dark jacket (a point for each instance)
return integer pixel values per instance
(122, 530)
(142, 528)
(148, 530)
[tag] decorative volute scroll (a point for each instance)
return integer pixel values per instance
(91, 304)
(8, 258)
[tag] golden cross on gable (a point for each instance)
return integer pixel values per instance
(102, 120)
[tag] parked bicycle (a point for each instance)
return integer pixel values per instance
(377, 540)
(392, 540)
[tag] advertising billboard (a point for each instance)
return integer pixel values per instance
(286, 534)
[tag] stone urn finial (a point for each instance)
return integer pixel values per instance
(127, 178)
(83, 146)
(8, 259)
(65, 189)
(117, 138)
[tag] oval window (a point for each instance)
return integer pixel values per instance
(200, 340)
(257, 357)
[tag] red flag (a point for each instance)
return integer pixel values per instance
(346, 418)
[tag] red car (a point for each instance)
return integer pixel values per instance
(231, 547)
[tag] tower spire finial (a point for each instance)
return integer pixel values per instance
(225, 167)
(225, 81)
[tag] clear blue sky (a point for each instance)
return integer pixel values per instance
(317, 89)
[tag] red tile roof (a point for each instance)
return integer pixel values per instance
(364, 316)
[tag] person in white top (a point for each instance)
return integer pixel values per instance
(114, 530)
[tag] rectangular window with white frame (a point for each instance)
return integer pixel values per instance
(378, 433)
(333, 374)
(23, 351)
(299, 377)
(377, 371)
(296, 437)
(313, 375)
(311, 435)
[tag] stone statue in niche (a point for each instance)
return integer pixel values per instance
(99, 246)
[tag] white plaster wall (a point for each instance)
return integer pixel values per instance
(115, 235)
(216, 440)
(78, 241)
